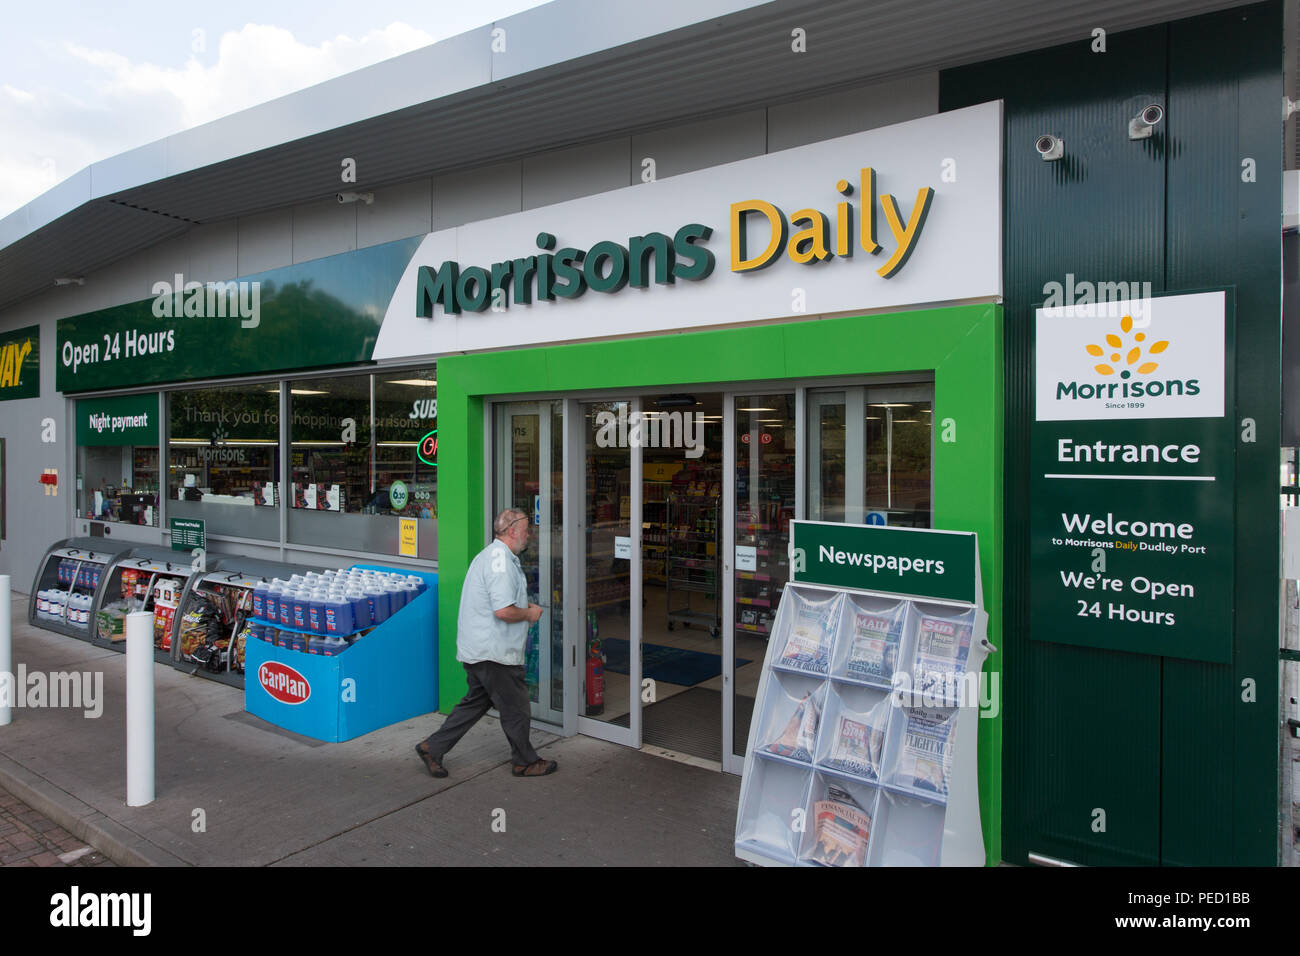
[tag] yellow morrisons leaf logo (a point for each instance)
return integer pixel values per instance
(1124, 355)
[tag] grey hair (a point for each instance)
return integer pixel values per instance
(505, 519)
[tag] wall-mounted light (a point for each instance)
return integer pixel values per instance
(73, 280)
(1141, 126)
(1050, 147)
(344, 198)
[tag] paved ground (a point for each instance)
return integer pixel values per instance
(234, 790)
(28, 838)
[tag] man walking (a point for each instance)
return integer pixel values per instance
(491, 631)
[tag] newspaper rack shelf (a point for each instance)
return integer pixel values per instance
(862, 750)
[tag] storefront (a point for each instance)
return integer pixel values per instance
(797, 318)
(662, 470)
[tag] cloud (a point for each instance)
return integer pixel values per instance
(125, 104)
(253, 65)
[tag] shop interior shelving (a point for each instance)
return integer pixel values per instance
(692, 561)
(766, 530)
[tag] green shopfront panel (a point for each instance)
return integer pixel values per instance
(1112, 757)
(961, 345)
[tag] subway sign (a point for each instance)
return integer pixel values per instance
(806, 236)
(20, 368)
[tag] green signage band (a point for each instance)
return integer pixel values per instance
(119, 420)
(319, 313)
(911, 561)
(20, 364)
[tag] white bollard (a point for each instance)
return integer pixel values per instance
(8, 687)
(139, 709)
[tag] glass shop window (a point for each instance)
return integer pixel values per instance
(331, 444)
(223, 458)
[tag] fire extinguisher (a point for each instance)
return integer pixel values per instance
(595, 670)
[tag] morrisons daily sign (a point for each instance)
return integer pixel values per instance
(806, 236)
(888, 218)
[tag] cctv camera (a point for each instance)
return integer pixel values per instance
(1141, 126)
(1050, 147)
(366, 198)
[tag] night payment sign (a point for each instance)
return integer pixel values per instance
(1132, 468)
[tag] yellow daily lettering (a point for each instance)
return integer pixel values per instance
(817, 237)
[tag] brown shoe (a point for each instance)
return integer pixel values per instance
(538, 768)
(435, 769)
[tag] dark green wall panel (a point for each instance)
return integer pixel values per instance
(1167, 748)
(1220, 752)
(1081, 725)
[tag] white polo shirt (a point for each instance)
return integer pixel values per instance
(494, 580)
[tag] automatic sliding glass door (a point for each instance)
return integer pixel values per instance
(529, 477)
(763, 474)
(609, 529)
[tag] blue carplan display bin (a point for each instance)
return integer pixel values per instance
(387, 676)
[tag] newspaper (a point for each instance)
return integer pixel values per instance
(800, 733)
(812, 632)
(926, 758)
(842, 830)
(942, 646)
(873, 654)
(858, 742)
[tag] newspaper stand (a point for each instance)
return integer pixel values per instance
(868, 705)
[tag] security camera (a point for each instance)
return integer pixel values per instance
(1140, 126)
(1050, 147)
(344, 198)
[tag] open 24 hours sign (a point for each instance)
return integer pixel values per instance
(1131, 484)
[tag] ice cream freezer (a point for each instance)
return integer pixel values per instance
(63, 593)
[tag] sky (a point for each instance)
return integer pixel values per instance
(84, 80)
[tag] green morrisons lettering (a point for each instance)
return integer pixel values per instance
(1136, 389)
(566, 273)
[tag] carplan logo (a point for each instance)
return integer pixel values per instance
(1121, 352)
(283, 683)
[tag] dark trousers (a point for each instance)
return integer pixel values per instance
(490, 685)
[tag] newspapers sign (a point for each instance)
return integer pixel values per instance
(918, 562)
